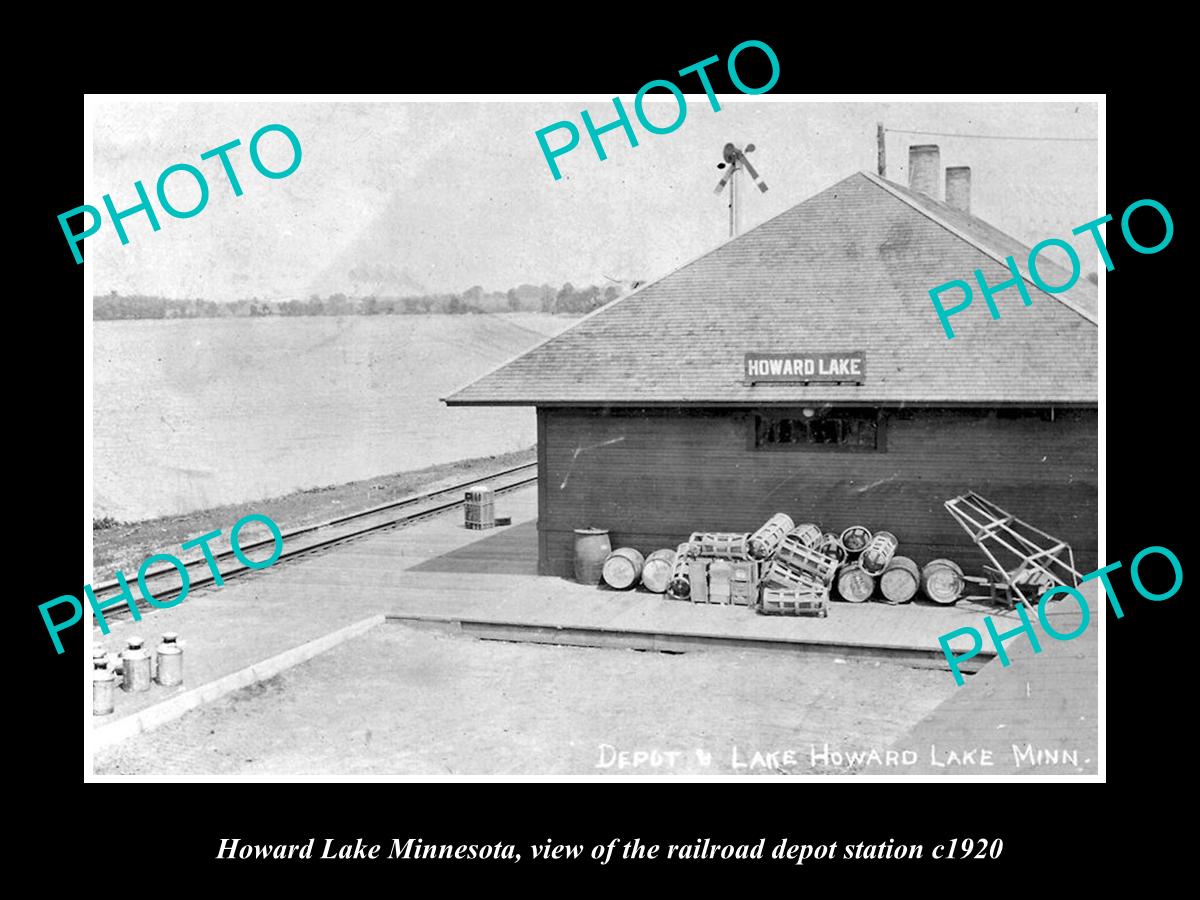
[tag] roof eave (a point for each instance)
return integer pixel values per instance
(794, 401)
(1061, 296)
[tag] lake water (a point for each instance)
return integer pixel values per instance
(194, 413)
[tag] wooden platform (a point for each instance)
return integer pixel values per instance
(489, 577)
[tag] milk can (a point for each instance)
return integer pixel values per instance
(104, 683)
(170, 660)
(135, 663)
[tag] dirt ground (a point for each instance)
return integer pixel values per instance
(125, 545)
(401, 701)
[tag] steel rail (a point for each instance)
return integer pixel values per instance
(308, 529)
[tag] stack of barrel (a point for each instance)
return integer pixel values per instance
(780, 568)
(801, 563)
(623, 568)
(870, 557)
(709, 568)
(871, 560)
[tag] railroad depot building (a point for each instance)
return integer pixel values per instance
(674, 409)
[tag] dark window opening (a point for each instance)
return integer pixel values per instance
(1045, 414)
(814, 428)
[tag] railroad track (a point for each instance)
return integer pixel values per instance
(312, 538)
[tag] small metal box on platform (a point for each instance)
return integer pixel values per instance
(764, 542)
(480, 507)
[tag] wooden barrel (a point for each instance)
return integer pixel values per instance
(855, 539)
(623, 568)
(942, 580)
(900, 580)
(680, 587)
(831, 545)
(878, 553)
(591, 550)
(807, 534)
(764, 541)
(854, 584)
(806, 559)
(656, 571)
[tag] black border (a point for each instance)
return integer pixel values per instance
(174, 831)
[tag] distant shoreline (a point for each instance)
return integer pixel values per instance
(567, 300)
(335, 315)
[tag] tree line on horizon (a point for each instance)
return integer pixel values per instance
(527, 297)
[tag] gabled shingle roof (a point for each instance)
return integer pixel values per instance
(848, 269)
(994, 241)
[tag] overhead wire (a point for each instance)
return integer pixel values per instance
(996, 137)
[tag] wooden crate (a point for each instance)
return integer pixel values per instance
(720, 577)
(780, 575)
(807, 534)
(698, 577)
(743, 583)
(765, 541)
(721, 544)
(831, 545)
(681, 583)
(802, 558)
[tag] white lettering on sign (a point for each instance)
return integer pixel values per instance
(844, 367)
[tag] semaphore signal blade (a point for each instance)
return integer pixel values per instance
(762, 185)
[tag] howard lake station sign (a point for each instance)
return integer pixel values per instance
(801, 368)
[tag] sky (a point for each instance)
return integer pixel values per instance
(441, 196)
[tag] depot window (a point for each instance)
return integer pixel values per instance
(820, 429)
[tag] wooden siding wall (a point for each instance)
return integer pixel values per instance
(654, 476)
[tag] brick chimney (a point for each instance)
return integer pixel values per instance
(958, 187)
(925, 170)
